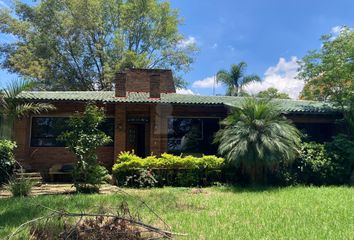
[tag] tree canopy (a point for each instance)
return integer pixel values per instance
(235, 79)
(272, 93)
(329, 72)
(79, 45)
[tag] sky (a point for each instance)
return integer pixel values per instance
(270, 36)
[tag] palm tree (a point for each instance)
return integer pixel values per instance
(256, 136)
(12, 107)
(235, 79)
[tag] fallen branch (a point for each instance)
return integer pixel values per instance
(90, 223)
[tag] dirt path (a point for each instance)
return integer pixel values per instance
(52, 189)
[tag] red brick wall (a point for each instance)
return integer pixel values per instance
(42, 158)
(156, 130)
(138, 80)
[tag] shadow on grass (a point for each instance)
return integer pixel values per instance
(247, 188)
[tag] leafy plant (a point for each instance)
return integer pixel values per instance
(131, 170)
(83, 138)
(20, 187)
(318, 164)
(142, 178)
(7, 159)
(12, 107)
(257, 137)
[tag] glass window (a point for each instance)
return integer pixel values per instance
(108, 128)
(192, 135)
(45, 131)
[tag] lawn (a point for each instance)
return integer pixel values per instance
(217, 212)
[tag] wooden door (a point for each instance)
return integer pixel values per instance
(136, 139)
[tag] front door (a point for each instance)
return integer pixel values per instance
(136, 139)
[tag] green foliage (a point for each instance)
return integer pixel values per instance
(256, 136)
(79, 45)
(235, 79)
(83, 138)
(329, 72)
(167, 170)
(20, 187)
(141, 178)
(319, 164)
(7, 159)
(12, 107)
(272, 93)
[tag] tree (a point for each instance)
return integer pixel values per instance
(79, 45)
(235, 78)
(83, 138)
(256, 136)
(272, 93)
(329, 72)
(12, 107)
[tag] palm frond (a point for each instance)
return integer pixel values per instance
(249, 79)
(256, 134)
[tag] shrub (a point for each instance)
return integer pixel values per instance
(83, 138)
(141, 178)
(20, 187)
(167, 169)
(318, 164)
(7, 159)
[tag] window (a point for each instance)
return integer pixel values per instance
(192, 135)
(46, 130)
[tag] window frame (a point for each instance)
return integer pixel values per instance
(192, 117)
(59, 116)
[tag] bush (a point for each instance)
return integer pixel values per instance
(20, 187)
(167, 170)
(318, 164)
(83, 138)
(7, 160)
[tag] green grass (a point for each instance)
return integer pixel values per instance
(218, 212)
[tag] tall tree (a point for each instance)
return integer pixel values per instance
(235, 79)
(329, 72)
(272, 93)
(80, 44)
(256, 136)
(12, 107)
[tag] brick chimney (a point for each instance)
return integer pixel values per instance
(155, 91)
(121, 82)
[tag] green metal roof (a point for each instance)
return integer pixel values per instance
(295, 106)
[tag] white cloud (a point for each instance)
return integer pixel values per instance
(208, 82)
(215, 45)
(336, 30)
(3, 4)
(282, 77)
(185, 91)
(186, 42)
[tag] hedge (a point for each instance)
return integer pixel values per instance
(167, 170)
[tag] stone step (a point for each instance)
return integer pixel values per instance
(28, 174)
(30, 177)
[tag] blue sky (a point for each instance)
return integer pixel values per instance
(269, 35)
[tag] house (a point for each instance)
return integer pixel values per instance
(145, 114)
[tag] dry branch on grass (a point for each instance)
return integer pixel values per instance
(63, 225)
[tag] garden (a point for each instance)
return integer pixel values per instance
(267, 180)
